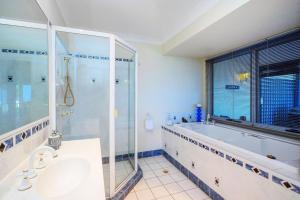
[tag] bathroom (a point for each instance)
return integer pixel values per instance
(149, 100)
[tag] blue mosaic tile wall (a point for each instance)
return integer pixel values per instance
(277, 99)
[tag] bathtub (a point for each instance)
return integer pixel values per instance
(233, 161)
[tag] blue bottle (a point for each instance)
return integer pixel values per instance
(198, 113)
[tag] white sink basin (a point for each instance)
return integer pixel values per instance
(62, 177)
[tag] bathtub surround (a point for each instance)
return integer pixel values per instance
(22, 142)
(207, 168)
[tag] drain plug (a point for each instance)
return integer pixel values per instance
(271, 157)
(165, 171)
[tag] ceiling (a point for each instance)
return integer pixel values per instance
(152, 21)
(189, 28)
(253, 21)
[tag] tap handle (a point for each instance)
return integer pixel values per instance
(25, 183)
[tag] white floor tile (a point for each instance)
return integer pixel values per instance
(153, 182)
(131, 196)
(141, 185)
(197, 194)
(159, 192)
(154, 166)
(146, 168)
(173, 188)
(187, 184)
(145, 195)
(178, 177)
(166, 179)
(160, 172)
(166, 198)
(150, 160)
(148, 174)
(181, 196)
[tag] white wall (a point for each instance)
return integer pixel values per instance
(165, 84)
(52, 11)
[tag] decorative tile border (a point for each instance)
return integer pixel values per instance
(257, 171)
(233, 160)
(286, 184)
(203, 186)
(77, 55)
(29, 52)
(128, 186)
(10, 141)
(144, 154)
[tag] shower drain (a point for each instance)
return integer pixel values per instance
(165, 171)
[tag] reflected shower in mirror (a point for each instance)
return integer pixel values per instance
(23, 76)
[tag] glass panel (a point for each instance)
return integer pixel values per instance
(82, 90)
(231, 84)
(23, 76)
(125, 108)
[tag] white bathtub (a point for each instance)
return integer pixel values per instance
(237, 157)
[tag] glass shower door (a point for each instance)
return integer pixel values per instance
(125, 113)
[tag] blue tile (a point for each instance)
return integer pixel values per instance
(205, 188)
(19, 137)
(147, 154)
(214, 195)
(140, 154)
(6, 144)
(257, 171)
(185, 171)
(286, 184)
(119, 158)
(125, 157)
(157, 152)
(193, 178)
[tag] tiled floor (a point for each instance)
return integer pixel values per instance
(158, 185)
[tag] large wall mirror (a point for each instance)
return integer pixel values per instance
(23, 65)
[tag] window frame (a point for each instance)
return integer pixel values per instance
(253, 50)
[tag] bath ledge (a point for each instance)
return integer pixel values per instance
(73, 175)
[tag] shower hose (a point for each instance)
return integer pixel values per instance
(68, 93)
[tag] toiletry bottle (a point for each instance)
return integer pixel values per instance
(198, 113)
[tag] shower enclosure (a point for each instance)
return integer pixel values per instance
(94, 96)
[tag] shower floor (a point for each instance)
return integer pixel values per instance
(123, 169)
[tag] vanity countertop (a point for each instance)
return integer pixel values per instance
(77, 167)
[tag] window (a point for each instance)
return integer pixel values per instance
(259, 85)
(231, 84)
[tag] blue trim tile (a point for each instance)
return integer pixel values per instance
(193, 178)
(157, 152)
(147, 154)
(286, 184)
(214, 195)
(234, 160)
(257, 170)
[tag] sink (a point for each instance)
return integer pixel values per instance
(62, 177)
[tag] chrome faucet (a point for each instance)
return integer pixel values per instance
(31, 172)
